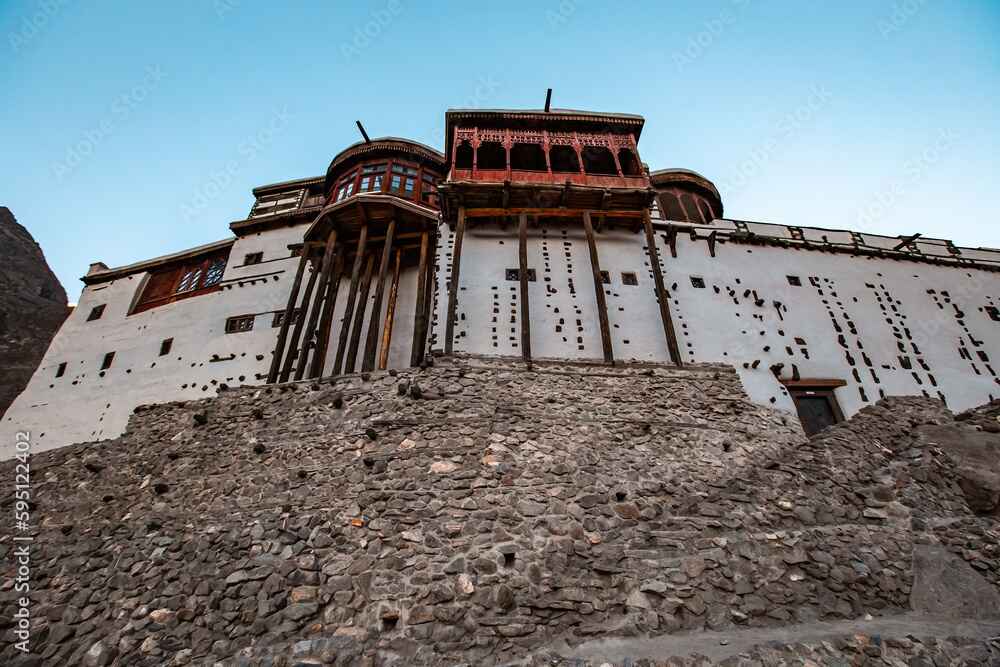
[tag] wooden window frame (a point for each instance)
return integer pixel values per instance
(234, 323)
(252, 258)
(817, 388)
(213, 263)
(419, 193)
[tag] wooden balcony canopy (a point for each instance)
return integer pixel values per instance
(370, 209)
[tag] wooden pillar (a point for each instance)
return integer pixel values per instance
(359, 315)
(523, 274)
(352, 295)
(661, 292)
(372, 340)
(456, 265)
(430, 285)
(602, 304)
(279, 347)
(320, 338)
(420, 313)
(390, 313)
(293, 343)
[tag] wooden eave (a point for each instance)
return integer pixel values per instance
(150, 264)
(385, 146)
(296, 184)
(348, 215)
(262, 223)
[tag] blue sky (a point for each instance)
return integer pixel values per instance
(130, 130)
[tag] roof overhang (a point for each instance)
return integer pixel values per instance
(384, 146)
(348, 215)
(95, 277)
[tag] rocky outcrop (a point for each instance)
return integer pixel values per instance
(32, 307)
(476, 512)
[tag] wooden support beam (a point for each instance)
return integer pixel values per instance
(602, 304)
(372, 340)
(431, 291)
(352, 295)
(359, 315)
(522, 254)
(420, 313)
(661, 292)
(390, 314)
(456, 265)
(293, 343)
(545, 212)
(711, 242)
(279, 347)
(321, 337)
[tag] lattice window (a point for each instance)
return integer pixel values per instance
(183, 279)
(277, 203)
(239, 324)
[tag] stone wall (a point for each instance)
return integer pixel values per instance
(32, 307)
(476, 511)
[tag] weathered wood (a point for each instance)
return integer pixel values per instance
(321, 300)
(352, 295)
(390, 313)
(602, 304)
(293, 342)
(430, 286)
(372, 340)
(661, 292)
(320, 338)
(456, 265)
(544, 212)
(420, 313)
(522, 254)
(359, 315)
(279, 347)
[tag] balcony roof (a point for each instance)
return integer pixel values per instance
(383, 146)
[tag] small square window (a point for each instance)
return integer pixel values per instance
(254, 258)
(515, 275)
(629, 278)
(109, 358)
(239, 324)
(61, 370)
(794, 281)
(96, 313)
(165, 346)
(279, 317)
(698, 282)
(605, 277)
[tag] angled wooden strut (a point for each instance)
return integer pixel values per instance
(320, 338)
(293, 343)
(359, 315)
(456, 265)
(522, 256)
(352, 295)
(279, 347)
(390, 313)
(372, 340)
(319, 308)
(661, 292)
(420, 312)
(602, 304)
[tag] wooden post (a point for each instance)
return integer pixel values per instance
(293, 343)
(352, 295)
(390, 313)
(523, 274)
(602, 304)
(279, 347)
(430, 287)
(456, 265)
(372, 340)
(661, 292)
(331, 243)
(359, 315)
(320, 338)
(420, 314)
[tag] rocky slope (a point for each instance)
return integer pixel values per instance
(477, 513)
(32, 307)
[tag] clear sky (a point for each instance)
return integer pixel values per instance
(131, 129)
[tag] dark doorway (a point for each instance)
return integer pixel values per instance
(817, 408)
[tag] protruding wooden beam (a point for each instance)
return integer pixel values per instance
(352, 295)
(293, 343)
(420, 313)
(390, 314)
(359, 315)
(602, 303)
(279, 346)
(321, 337)
(456, 265)
(522, 255)
(372, 340)
(661, 292)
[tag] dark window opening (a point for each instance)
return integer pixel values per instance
(515, 275)
(61, 370)
(629, 278)
(794, 281)
(165, 346)
(239, 324)
(629, 162)
(697, 282)
(253, 258)
(96, 312)
(491, 155)
(599, 160)
(605, 277)
(463, 156)
(694, 215)
(993, 313)
(672, 207)
(817, 408)
(279, 317)
(527, 157)
(564, 159)
(108, 360)
(428, 189)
